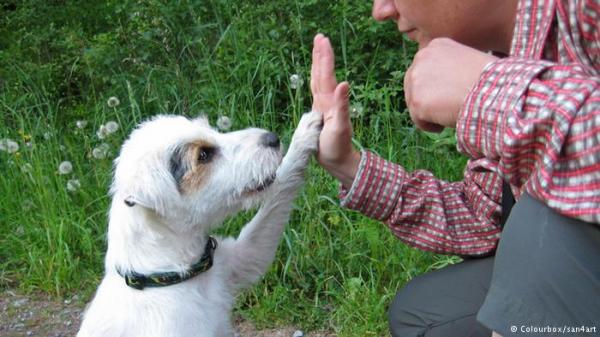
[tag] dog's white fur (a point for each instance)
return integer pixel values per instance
(168, 225)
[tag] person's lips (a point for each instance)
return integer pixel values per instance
(410, 33)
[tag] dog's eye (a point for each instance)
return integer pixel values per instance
(205, 154)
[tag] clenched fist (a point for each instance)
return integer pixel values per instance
(439, 80)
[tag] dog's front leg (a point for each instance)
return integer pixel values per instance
(256, 246)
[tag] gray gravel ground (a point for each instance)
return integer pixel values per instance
(38, 315)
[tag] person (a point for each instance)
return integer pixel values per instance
(519, 80)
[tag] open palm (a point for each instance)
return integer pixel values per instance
(336, 153)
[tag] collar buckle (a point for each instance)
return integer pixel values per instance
(135, 281)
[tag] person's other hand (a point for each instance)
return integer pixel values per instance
(336, 153)
(439, 80)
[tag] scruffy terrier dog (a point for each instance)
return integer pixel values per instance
(174, 181)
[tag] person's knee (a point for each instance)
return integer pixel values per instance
(426, 306)
(403, 316)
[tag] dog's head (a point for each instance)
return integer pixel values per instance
(187, 172)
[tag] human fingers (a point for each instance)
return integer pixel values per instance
(337, 129)
(408, 86)
(429, 127)
(336, 153)
(314, 64)
(322, 73)
(341, 105)
(418, 110)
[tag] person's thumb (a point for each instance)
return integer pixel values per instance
(341, 108)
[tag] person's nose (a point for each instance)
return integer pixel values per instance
(384, 10)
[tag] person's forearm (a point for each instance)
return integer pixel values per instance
(426, 212)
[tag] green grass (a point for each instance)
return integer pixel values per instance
(61, 60)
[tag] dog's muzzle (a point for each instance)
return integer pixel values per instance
(260, 186)
(270, 140)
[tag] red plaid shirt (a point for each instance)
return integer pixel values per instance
(533, 119)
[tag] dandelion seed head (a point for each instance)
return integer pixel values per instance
(81, 124)
(98, 153)
(102, 132)
(9, 145)
(224, 123)
(12, 147)
(101, 151)
(356, 110)
(47, 135)
(113, 102)
(28, 204)
(73, 185)
(111, 127)
(296, 81)
(26, 168)
(273, 33)
(65, 167)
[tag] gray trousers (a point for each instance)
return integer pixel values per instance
(546, 273)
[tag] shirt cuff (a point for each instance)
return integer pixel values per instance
(500, 89)
(376, 189)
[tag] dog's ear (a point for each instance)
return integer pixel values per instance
(149, 185)
(202, 119)
(132, 201)
(149, 198)
(177, 165)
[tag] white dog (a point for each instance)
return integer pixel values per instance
(174, 181)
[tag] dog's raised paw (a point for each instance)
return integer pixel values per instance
(307, 133)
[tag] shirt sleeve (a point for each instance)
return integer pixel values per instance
(541, 122)
(431, 214)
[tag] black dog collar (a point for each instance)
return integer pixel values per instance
(139, 281)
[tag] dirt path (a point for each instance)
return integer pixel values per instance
(37, 315)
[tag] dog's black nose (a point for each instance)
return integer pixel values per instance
(270, 139)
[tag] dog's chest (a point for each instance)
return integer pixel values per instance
(195, 308)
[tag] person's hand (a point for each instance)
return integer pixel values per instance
(336, 153)
(439, 80)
